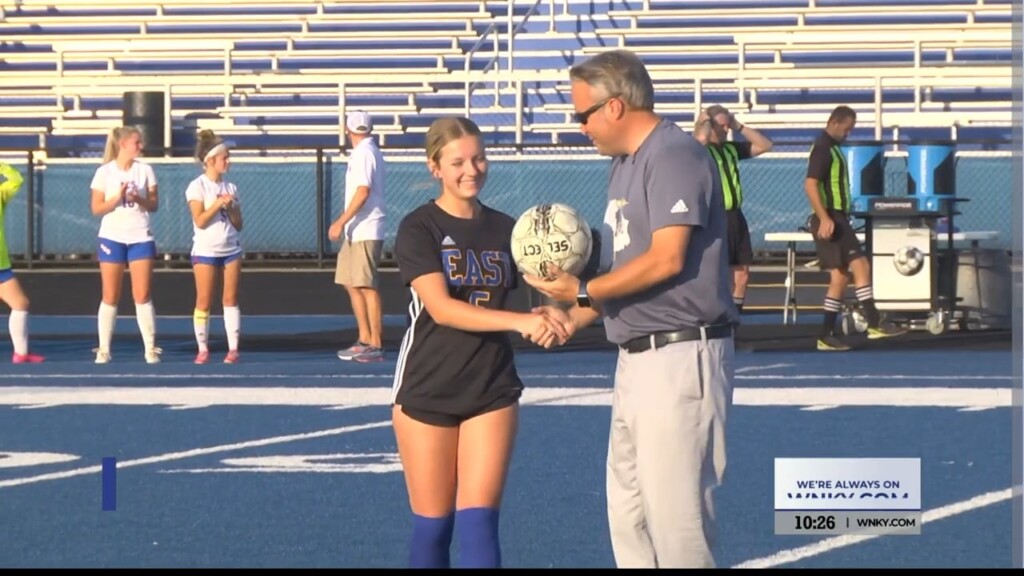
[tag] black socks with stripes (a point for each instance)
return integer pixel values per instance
(833, 306)
(867, 301)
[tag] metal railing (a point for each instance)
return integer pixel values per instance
(492, 31)
(702, 86)
(290, 196)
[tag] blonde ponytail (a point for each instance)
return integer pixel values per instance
(110, 150)
(114, 138)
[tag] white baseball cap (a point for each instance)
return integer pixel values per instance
(359, 122)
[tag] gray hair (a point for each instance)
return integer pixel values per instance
(619, 73)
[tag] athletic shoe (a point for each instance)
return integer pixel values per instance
(232, 357)
(832, 344)
(202, 357)
(26, 358)
(352, 351)
(153, 355)
(885, 330)
(370, 354)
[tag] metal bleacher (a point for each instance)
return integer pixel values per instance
(282, 72)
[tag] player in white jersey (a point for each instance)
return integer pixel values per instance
(216, 223)
(124, 193)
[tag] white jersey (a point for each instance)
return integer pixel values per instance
(128, 223)
(220, 237)
(366, 168)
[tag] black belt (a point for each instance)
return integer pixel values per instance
(661, 339)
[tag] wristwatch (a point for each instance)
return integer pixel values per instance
(582, 298)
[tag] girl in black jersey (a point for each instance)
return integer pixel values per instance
(456, 390)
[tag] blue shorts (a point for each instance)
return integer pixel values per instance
(6, 274)
(121, 253)
(218, 261)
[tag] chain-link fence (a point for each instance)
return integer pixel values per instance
(289, 203)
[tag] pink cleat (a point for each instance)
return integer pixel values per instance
(27, 358)
(232, 357)
(202, 357)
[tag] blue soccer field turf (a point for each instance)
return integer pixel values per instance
(288, 459)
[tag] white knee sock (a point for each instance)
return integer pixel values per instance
(18, 324)
(107, 317)
(232, 325)
(201, 322)
(145, 315)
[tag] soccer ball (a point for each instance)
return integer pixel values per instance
(549, 234)
(908, 260)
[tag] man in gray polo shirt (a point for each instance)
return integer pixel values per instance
(665, 295)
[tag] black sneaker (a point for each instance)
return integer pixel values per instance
(885, 330)
(832, 344)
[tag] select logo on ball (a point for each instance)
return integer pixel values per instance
(549, 234)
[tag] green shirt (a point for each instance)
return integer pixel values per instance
(728, 156)
(827, 165)
(9, 187)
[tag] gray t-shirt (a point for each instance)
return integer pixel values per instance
(671, 180)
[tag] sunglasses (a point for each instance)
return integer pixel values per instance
(582, 117)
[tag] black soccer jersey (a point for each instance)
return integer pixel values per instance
(827, 165)
(444, 369)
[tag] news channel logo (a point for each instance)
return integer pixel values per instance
(848, 495)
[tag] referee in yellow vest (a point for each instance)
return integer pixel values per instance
(712, 130)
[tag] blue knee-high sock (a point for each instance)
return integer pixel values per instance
(431, 542)
(478, 538)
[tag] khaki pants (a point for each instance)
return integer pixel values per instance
(666, 453)
(357, 263)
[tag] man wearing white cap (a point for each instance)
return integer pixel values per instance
(360, 229)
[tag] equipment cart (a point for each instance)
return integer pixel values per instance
(910, 244)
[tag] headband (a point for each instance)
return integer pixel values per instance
(214, 151)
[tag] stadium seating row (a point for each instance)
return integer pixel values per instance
(270, 73)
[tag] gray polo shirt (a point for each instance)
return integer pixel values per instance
(671, 180)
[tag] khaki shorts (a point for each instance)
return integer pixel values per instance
(357, 263)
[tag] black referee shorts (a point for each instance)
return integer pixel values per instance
(741, 252)
(842, 248)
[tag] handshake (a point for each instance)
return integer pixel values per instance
(547, 326)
